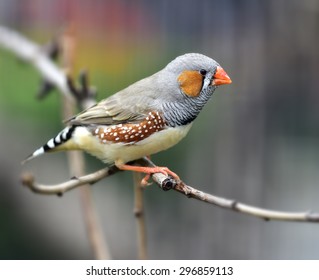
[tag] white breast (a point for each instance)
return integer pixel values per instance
(111, 152)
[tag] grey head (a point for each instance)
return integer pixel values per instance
(188, 82)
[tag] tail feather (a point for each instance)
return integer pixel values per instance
(53, 143)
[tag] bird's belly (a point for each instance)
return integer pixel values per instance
(111, 152)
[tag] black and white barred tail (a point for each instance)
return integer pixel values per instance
(53, 143)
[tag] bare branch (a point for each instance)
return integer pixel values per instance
(140, 216)
(166, 183)
(83, 94)
(246, 209)
(27, 180)
(35, 55)
(76, 158)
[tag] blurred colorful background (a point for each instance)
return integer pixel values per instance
(257, 141)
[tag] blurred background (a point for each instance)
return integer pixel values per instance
(256, 141)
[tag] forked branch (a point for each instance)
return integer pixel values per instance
(167, 183)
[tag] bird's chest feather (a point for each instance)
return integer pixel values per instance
(109, 144)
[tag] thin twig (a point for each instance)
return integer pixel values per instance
(76, 160)
(165, 183)
(36, 56)
(32, 53)
(140, 216)
(93, 227)
(77, 168)
(28, 180)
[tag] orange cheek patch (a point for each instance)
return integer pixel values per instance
(191, 82)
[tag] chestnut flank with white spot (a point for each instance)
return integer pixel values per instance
(130, 133)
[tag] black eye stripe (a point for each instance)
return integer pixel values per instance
(203, 72)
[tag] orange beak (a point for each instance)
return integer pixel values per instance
(221, 77)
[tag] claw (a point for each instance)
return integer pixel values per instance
(148, 171)
(145, 182)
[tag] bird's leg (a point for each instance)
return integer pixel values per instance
(147, 170)
(145, 181)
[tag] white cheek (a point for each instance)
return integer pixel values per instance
(207, 81)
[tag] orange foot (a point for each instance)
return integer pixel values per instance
(148, 171)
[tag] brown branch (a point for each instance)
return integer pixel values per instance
(28, 180)
(40, 59)
(76, 160)
(234, 205)
(140, 216)
(166, 183)
(93, 227)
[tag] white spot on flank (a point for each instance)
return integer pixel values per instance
(96, 131)
(132, 136)
(102, 135)
(142, 135)
(146, 130)
(115, 133)
(149, 122)
(117, 138)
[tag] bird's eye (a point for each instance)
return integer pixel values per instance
(203, 72)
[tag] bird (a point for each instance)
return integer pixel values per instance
(145, 118)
